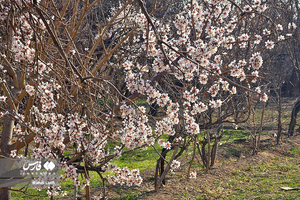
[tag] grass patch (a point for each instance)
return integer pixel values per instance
(262, 181)
(230, 136)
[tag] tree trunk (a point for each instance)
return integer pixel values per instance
(160, 165)
(279, 133)
(5, 194)
(292, 125)
(6, 136)
(164, 154)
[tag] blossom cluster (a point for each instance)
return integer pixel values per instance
(124, 176)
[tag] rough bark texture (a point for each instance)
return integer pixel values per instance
(5, 194)
(295, 111)
(6, 136)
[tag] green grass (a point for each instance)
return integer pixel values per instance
(261, 181)
(231, 135)
(39, 194)
(141, 102)
(131, 194)
(271, 114)
(294, 150)
(141, 159)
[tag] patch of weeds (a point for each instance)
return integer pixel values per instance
(217, 184)
(294, 150)
(141, 102)
(127, 197)
(132, 196)
(230, 136)
(118, 190)
(234, 152)
(263, 181)
(236, 172)
(284, 168)
(232, 182)
(196, 164)
(19, 195)
(249, 168)
(262, 166)
(200, 197)
(238, 188)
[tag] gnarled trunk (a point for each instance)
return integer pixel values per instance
(292, 125)
(6, 136)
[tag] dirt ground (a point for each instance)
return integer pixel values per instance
(230, 157)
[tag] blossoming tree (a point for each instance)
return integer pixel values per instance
(71, 70)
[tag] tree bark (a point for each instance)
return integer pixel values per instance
(7, 131)
(5, 194)
(292, 124)
(279, 133)
(6, 136)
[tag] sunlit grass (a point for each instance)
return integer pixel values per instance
(260, 181)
